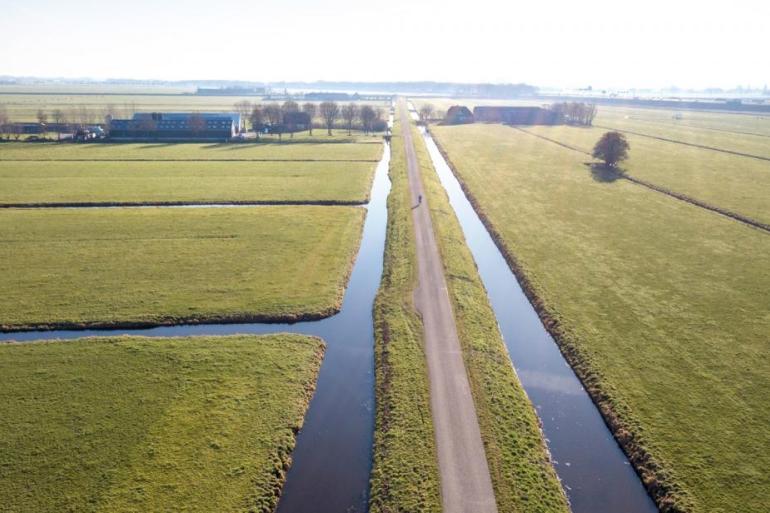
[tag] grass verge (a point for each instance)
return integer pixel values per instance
(522, 474)
(128, 424)
(405, 468)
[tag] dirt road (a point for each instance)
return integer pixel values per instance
(466, 486)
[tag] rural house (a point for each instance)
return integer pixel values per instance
(516, 115)
(176, 126)
(458, 115)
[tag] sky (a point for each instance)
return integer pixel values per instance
(606, 44)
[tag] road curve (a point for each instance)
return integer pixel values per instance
(466, 486)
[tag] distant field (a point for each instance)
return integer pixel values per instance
(132, 424)
(160, 265)
(661, 303)
(301, 149)
(137, 182)
(732, 182)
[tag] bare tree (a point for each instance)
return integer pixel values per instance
(4, 121)
(274, 116)
(288, 109)
(59, 118)
(197, 123)
(42, 120)
(330, 111)
(368, 117)
(349, 114)
(243, 108)
(426, 111)
(310, 110)
(257, 119)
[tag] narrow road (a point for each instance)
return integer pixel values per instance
(466, 486)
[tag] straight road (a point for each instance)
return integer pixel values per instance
(466, 486)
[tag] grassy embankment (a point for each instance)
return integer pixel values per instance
(134, 267)
(660, 306)
(298, 149)
(405, 468)
(63, 182)
(522, 474)
(735, 183)
(126, 424)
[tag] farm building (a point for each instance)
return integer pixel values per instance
(458, 115)
(516, 115)
(163, 125)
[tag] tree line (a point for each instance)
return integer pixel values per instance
(576, 113)
(280, 116)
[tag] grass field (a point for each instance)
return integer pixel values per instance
(132, 424)
(522, 474)
(405, 467)
(160, 265)
(660, 305)
(137, 182)
(731, 182)
(337, 148)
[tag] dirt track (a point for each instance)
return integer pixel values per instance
(466, 486)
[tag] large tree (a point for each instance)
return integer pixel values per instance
(310, 110)
(369, 116)
(289, 107)
(611, 148)
(349, 114)
(426, 111)
(330, 111)
(274, 116)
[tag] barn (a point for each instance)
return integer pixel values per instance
(516, 115)
(458, 115)
(176, 126)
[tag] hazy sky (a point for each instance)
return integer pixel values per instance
(646, 43)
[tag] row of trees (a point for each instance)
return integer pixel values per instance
(73, 117)
(576, 113)
(281, 115)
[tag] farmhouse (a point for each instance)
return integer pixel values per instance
(516, 115)
(458, 115)
(176, 126)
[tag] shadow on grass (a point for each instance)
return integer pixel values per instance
(603, 173)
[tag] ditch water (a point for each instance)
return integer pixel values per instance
(592, 467)
(333, 456)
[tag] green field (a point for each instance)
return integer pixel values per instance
(340, 149)
(405, 467)
(161, 265)
(163, 182)
(126, 424)
(660, 305)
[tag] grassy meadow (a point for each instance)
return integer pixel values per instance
(732, 182)
(335, 149)
(660, 305)
(126, 424)
(522, 474)
(159, 265)
(167, 182)
(405, 467)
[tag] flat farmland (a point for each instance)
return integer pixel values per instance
(68, 182)
(332, 149)
(660, 305)
(736, 183)
(151, 424)
(147, 266)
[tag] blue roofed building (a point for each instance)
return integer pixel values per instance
(194, 126)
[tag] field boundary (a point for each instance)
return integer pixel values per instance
(668, 192)
(189, 160)
(172, 204)
(694, 145)
(666, 494)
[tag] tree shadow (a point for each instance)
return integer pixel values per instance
(603, 173)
